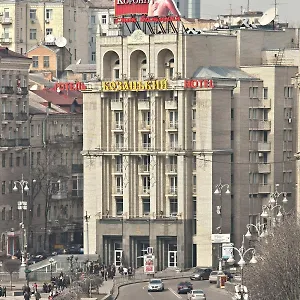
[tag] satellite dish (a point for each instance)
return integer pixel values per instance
(268, 16)
(49, 38)
(61, 42)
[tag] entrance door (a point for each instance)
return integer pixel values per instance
(172, 259)
(118, 258)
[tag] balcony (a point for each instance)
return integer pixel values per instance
(143, 104)
(144, 168)
(263, 147)
(77, 168)
(264, 189)
(22, 91)
(5, 41)
(60, 138)
(264, 125)
(146, 146)
(22, 117)
(8, 116)
(7, 142)
(172, 168)
(6, 20)
(145, 126)
(171, 104)
(173, 126)
(119, 146)
(118, 126)
(6, 89)
(174, 147)
(23, 142)
(264, 168)
(116, 104)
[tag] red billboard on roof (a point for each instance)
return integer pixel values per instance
(151, 8)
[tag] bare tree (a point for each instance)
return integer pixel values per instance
(11, 266)
(276, 275)
(45, 173)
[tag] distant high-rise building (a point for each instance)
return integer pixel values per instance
(189, 8)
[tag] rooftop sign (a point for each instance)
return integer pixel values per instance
(115, 86)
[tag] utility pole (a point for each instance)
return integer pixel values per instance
(87, 218)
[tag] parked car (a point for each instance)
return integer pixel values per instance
(201, 274)
(196, 295)
(156, 285)
(184, 287)
(213, 277)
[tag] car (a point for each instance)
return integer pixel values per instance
(213, 277)
(184, 287)
(155, 285)
(201, 274)
(196, 295)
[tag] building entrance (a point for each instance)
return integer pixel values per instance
(172, 255)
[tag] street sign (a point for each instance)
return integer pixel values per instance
(149, 264)
(220, 238)
(227, 250)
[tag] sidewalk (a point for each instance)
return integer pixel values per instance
(104, 289)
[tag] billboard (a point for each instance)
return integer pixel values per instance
(149, 264)
(151, 8)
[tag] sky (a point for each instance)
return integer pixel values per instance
(288, 10)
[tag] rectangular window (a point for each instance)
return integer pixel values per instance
(104, 19)
(10, 186)
(117, 73)
(232, 114)
(119, 206)
(253, 92)
(25, 159)
(194, 163)
(146, 206)
(3, 160)
(38, 130)
(3, 187)
(232, 135)
(11, 159)
(49, 31)
(35, 61)
(31, 130)
(146, 141)
(119, 184)
(32, 14)
(93, 19)
(32, 34)
(173, 207)
(46, 62)
(93, 56)
(146, 184)
(32, 158)
(77, 186)
(265, 93)
(18, 161)
(119, 120)
(288, 92)
(119, 163)
(173, 141)
(38, 158)
(48, 14)
(173, 119)
(173, 184)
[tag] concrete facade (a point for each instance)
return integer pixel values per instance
(152, 159)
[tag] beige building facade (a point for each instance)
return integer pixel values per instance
(25, 24)
(155, 152)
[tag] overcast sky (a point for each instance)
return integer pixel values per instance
(288, 10)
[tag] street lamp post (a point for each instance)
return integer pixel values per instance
(22, 205)
(273, 211)
(242, 251)
(219, 191)
(87, 218)
(51, 261)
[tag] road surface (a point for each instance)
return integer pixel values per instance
(139, 291)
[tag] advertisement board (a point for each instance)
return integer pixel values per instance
(149, 264)
(227, 250)
(150, 8)
(220, 238)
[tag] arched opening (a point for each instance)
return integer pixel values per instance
(111, 66)
(138, 65)
(165, 64)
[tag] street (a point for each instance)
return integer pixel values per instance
(139, 291)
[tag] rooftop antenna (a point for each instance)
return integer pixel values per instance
(248, 6)
(230, 17)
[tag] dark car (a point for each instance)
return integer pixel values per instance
(184, 287)
(201, 274)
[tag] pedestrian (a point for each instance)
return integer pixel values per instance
(4, 291)
(37, 295)
(0, 291)
(26, 295)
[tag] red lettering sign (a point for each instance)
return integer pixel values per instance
(199, 83)
(70, 86)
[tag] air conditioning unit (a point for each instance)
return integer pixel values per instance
(290, 120)
(47, 21)
(260, 154)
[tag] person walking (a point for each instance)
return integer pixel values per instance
(4, 291)
(26, 295)
(37, 295)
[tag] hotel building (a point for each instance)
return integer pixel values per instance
(171, 117)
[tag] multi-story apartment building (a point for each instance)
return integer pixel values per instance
(14, 144)
(56, 163)
(172, 116)
(24, 24)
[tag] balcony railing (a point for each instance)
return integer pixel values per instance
(173, 125)
(7, 142)
(173, 190)
(147, 146)
(5, 41)
(23, 142)
(6, 89)
(6, 20)
(119, 146)
(119, 190)
(7, 116)
(172, 168)
(22, 91)
(119, 168)
(118, 126)
(146, 125)
(22, 116)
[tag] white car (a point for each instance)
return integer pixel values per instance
(213, 277)
(196, 295)
(155, 285)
